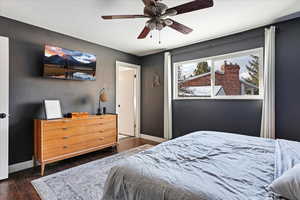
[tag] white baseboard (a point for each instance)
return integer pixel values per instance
(152, 138)
(20, 166)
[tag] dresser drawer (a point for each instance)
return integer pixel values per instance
(102, 127)
(77, 140)
(60, 149)
(54, 134)
(59, 133)
(69, 123)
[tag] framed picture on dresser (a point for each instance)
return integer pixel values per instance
(52, 109)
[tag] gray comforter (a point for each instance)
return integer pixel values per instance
(202, 166)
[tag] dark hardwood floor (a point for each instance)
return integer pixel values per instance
(18, 186)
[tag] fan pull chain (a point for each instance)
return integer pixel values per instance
(159, 34)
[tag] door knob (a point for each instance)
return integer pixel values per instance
(2, 115)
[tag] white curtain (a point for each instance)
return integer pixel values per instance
(168, 96)
(268, 110)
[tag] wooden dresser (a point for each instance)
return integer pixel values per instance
(56, 140)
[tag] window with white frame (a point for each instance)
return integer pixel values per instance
(236, 75)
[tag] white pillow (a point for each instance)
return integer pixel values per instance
(287, 185)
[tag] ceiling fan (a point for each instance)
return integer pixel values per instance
(158, 14)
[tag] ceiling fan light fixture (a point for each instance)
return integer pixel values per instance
(168, 22)
(172, 12)
(151, 25)
(161, 8)
(159, 26)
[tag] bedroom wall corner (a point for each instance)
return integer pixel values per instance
(152, 95)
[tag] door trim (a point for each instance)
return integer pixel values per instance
(138, 93)
(4, 131)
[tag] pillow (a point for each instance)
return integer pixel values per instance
(287, 185)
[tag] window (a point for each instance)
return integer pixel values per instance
(232, 76)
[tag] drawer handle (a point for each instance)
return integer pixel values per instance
(66, 137)
(100, 123)
(65, 129)
(65, 147)
(102, 138)
(101, 131)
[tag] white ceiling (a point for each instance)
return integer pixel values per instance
(81, 19)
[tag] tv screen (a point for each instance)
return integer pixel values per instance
(62, 63)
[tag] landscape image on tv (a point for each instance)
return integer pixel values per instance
(62, 63)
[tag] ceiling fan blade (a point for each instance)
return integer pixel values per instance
(180, 27)
(144, 33)
(192, 6)
(124, 16)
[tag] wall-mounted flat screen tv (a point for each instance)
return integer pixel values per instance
(67, 64)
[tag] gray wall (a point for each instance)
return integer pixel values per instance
(152, 115)
(239, 116)
(28, 88)
(287, 77)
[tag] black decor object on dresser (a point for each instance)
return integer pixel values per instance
(102, 98)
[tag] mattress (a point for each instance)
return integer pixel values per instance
(203, 166)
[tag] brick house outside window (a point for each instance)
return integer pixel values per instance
(227, 82)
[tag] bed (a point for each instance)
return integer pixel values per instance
(203, 166)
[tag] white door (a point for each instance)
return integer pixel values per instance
(4, 78)
(127, 101)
